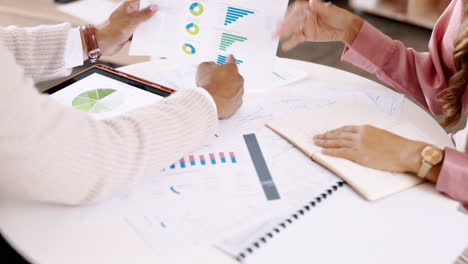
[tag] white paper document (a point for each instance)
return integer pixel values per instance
(191, 32)
(208, 194)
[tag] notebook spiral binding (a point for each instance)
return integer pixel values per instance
(288, 221)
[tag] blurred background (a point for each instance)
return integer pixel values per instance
(407, 20)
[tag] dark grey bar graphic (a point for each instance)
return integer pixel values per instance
(261, 167)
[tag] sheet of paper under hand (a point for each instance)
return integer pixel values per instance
(370, 183)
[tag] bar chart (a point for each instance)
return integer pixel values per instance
(228, 40)
(205, 160)
(233, 14)
(223, 59)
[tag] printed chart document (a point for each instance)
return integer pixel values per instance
(373, 184)
(240, 178)
(191, 32)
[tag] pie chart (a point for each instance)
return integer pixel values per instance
(192, 29)
(196, 9)
(98, 101)
(189, 49)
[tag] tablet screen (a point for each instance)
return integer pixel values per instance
(103, 94)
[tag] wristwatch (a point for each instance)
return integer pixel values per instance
(431, 156)
(89, 33)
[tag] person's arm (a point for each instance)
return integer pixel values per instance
(46, 52)
(452, 176)
(52, 153)
(421, 75)
(39, 50)
(55, 154)
(380, 149)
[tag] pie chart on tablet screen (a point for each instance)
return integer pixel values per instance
(98, 101)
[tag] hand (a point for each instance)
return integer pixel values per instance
(113, 34)
(225, 85)
(373, 148)
(317, 21)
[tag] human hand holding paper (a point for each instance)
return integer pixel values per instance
(118, 29)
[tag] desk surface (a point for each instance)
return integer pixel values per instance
(56, 234)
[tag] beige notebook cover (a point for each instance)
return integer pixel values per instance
(373, 184)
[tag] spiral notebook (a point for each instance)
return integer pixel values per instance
(339, 227)
(246, 242)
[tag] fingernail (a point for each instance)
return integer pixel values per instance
(153, 8)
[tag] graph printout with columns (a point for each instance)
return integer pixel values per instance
(210, 30)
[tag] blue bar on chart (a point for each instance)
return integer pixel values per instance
(223, 59)
(212, 158)
(233, 157)
(233, 14)
(202, 160)
(182, 163)
(192, 160)
(223, 158)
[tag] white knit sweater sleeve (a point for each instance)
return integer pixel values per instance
(52, 153)
(39, 50)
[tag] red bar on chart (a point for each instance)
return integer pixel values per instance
(212, 158)
(192, 160)
(223, 159)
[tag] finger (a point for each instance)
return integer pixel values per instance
(231, 60)
(333, 143)
(336, 135)
(144, 14)
(297, 12)
(349, 129)
(294, 41)
(133, 5)
(230, 67)
(344, 153)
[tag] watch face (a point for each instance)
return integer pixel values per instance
(432, 155)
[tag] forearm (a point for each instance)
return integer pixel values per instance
(52, 153)
(39, 50)
(64, 156)
(352, 29)
(417, 74)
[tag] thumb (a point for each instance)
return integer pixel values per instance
(145, 14)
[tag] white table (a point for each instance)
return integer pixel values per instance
(56, 234)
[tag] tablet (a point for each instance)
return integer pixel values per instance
(104, 92)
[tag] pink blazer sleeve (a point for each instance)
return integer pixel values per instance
(453, 178)
(420, 75)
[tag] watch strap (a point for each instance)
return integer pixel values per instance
(89, 33)
(424, 170)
